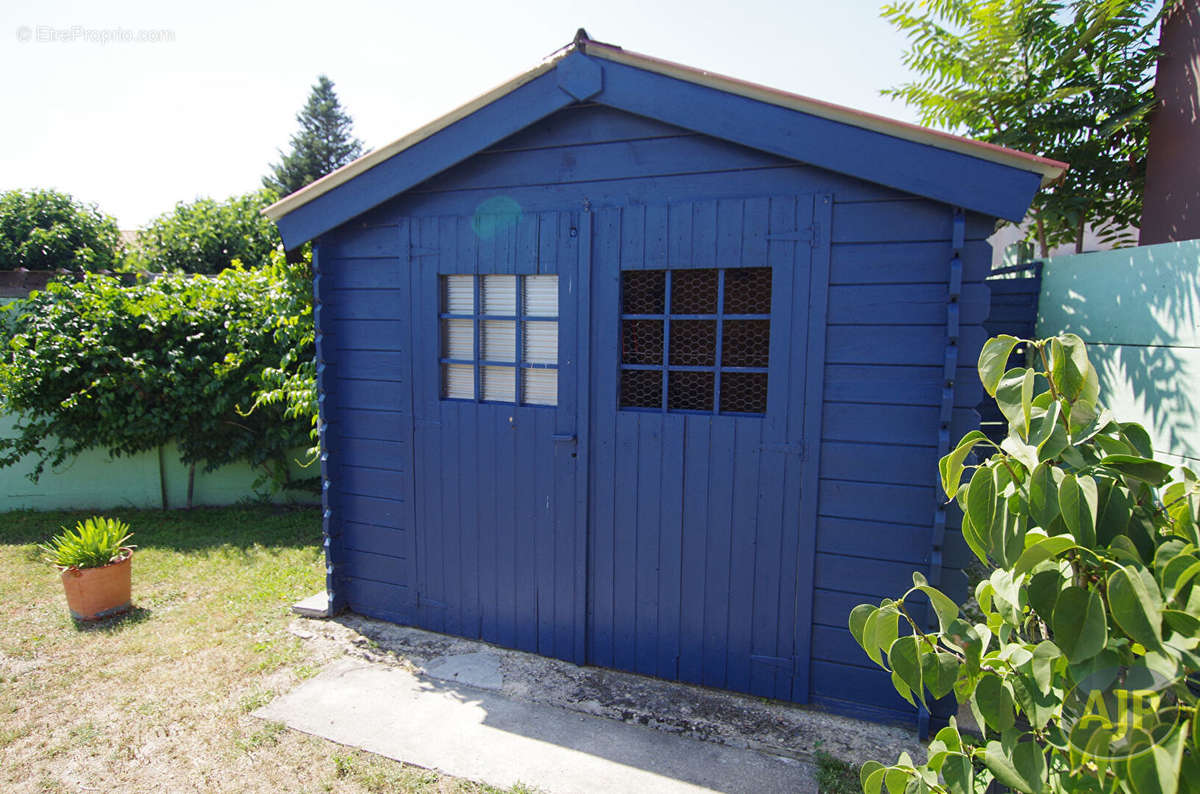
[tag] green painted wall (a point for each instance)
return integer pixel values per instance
(1138, 309)
(95, 480)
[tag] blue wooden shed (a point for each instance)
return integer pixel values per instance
(638, 366)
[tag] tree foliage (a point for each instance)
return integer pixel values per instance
(48, 230)
(93, 364)
(1072, 80)
(1080, 673)
(323, 143)
(206, 235)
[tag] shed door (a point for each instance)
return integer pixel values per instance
(500, 542)
(704, 427)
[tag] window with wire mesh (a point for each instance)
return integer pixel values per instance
(499, 338)
(696, 340)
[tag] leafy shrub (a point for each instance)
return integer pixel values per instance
(48, 230)
(92, 363)
(94, 543)
(205, 236)
(1080, 673)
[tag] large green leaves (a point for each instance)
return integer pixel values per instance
(1095, 586)
(1043, 494)
(1136, 605)
(1023, 768)
(951, 466)
(1078, 499)
(981, 499)
(994, 698)
(1080, 625)
(993, 361)
(904, 659)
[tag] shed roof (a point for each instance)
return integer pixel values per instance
(976, 175)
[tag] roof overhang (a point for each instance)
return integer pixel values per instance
(975, 175)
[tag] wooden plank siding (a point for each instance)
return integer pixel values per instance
(874, 486)
(365, 327)
(879, 435)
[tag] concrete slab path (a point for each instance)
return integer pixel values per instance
(482, 735)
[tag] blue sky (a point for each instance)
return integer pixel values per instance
(137, 125)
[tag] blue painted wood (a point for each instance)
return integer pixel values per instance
(916, 344)
(670, 574)
(892, 262)
(606, 160)
(948, 177)
(810, 422)
(889, 424)
(573, 605)
(379, 599)
(860, 685)
(602, 448)
(904, 304)
(331, 516)
(349, 272)
(701, 556)
(648, 528)
(585, 123)
(681, 541)
(898, 385)
(493, 486)
(904, 504)
(491, 123)
(897, 464)
(382, 540)
(375, 566)
(901, 221)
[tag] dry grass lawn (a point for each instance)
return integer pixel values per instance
(160, 699)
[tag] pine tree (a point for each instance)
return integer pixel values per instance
(323, 144)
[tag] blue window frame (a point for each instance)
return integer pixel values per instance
(696, 340)
(499, 338)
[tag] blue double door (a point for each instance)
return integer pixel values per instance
(659, 515)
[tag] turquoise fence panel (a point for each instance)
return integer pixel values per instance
(96, 480)
(1138, 309)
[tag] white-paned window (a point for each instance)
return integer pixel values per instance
(499, 338)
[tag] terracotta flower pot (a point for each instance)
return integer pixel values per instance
(95, 593)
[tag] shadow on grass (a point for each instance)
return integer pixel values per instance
(238, 526)
(115, 623)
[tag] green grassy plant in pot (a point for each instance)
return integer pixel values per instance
(94, 559)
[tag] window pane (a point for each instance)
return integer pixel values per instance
(748, 290)
(744, 343)
(540, 343)
(693, 292)
(498, 340)
(643, 291)
(458, 381)
(499, 295)
(541, 296)
(498, 383)
(539, 386)
(458, 294)
(458, 339)
(690, 391)
(693, 343)
(744, 392)
(641, 341)
(641, 388)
